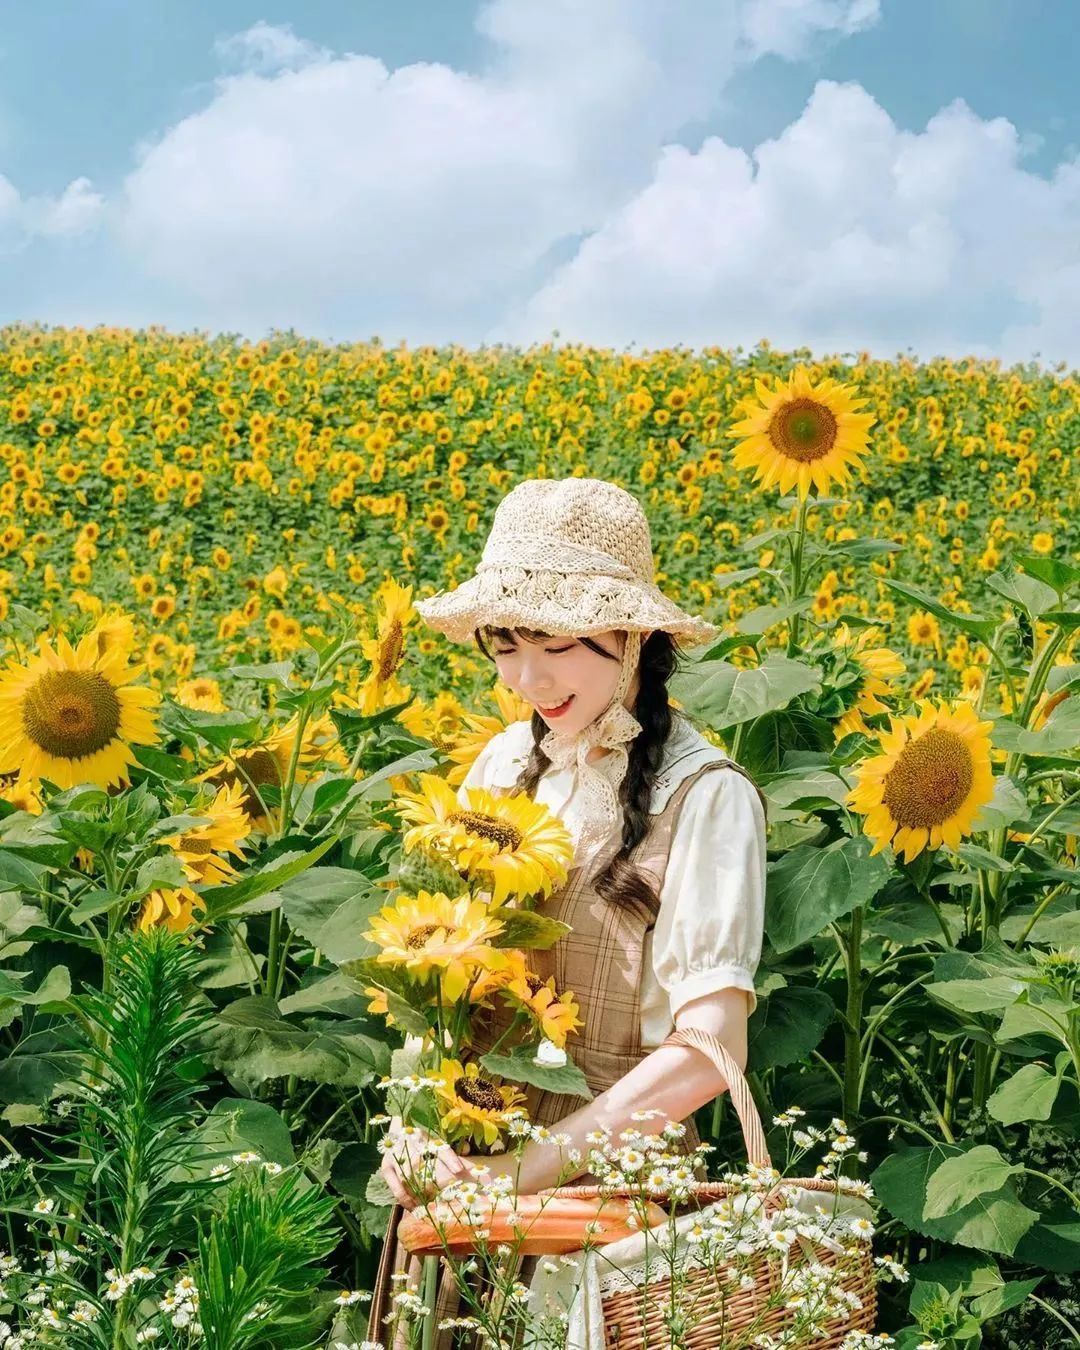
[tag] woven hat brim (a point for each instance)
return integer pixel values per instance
(566, 606)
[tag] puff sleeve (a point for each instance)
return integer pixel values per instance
(708, 932)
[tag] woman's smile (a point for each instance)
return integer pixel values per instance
(557, 709)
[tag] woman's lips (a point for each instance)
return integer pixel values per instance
(556, 711)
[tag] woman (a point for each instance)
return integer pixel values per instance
(666, 896)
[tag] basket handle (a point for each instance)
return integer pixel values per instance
(757, 1151)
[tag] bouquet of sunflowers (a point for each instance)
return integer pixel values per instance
(452, 956)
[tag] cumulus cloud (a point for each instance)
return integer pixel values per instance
(76, 211)
(333, 192)
(789, 28)
(844, 232)
(267, 47)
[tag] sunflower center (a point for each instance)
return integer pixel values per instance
(391, 648)
(257, 768)
(930, 779)
(419, 936)
(535, 984)
(803, 429)
(479, 1092)
(500, 832)
(71, 713)
(195, 843)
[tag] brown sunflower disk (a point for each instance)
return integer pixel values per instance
(544, 1225)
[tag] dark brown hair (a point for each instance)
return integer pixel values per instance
(619, 883)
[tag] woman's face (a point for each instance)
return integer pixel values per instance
(568, 683)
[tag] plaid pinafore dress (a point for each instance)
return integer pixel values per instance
(600, 960)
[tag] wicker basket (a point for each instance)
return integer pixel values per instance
(634, 1317)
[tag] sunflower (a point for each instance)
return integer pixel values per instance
(22, 794)
(483, 727)
(802, 433)
(199, 848)
(393, 614)
(202, 693)
(472, 1105)
(266, 764)
(439, 721)
(176, 910)
(929, 783)
(430, 934)
(513, 845)
(879, 663)
(72, 715)
(555, 1016)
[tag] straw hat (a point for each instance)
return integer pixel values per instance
(568, 557)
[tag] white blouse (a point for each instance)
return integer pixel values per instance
(712, 903)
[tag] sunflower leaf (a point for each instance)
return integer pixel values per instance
(724, 695)
(526, 928)
(1033, 596)
(809, 887)
(330, 907)
(968, 623)
(520, 1066)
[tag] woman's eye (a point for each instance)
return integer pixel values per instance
(558, 651)
(507, 651)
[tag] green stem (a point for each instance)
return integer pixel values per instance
(917, 1082)
(431, 1294)
(1043, 1176)
(1048, 1307)
(856, 992)
(1039, 911)
(797, 573)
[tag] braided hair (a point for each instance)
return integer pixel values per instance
(619, 883)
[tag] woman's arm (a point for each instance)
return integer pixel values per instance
(675, 1079)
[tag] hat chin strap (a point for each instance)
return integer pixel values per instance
(611, 730)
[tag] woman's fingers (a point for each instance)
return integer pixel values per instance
(395, 1179)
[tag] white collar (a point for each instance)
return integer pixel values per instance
(685, 751)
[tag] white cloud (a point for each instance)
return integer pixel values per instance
(338, 194)
(267, 47)
(76, 211)
(842, 233)
(788, 28)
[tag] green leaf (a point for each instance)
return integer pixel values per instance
(1029, 1094)
(958, 1181)
(526, 928)
(1033, 596)
(1060, 732)
(982, 860)
(1053, 1243)
(859, 550)
(724, 695)
(220, 729)
(520, 1066)
(252, 1042)
(275, 672)
(786, 1026)
(987, 995)
(352, 1169)
(1010, 1295)
(1006, 805)
(238, 1123)
(809, 887)
(1054, 571)
(376, 786)
(994, 1221)
(221, 901)
(786, 788)
(1023, 1021)
(331, 907)
(763, 617)
(968, 623)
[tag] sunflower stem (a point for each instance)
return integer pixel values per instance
(797, 573)
(856, 990)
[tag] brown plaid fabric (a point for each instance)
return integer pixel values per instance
(600, 960)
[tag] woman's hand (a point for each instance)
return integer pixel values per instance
(406, 1159)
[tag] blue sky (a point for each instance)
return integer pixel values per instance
(889, 174)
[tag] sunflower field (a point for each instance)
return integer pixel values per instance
(223, 730)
